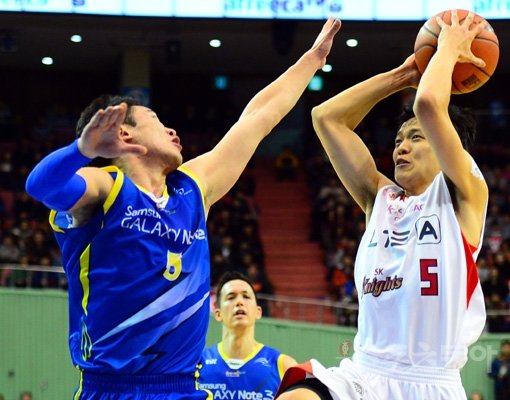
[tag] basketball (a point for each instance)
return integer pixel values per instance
(466, 77)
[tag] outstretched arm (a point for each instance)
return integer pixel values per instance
(335, 120)
(431, 110)
(220, 168)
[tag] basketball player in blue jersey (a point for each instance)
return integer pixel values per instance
(133, 235)
(420, 299)
(239, 367)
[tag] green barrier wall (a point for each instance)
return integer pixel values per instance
(34, 353)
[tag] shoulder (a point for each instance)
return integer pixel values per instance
(183, 179)
(285, 362)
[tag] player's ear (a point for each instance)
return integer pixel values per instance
(217, 315)
(259, 312)
(125, 134)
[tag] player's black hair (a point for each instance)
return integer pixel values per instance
(102, 102)
(463, 120)
(231, 276)
(97, 104)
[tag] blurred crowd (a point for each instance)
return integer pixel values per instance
(337, 223)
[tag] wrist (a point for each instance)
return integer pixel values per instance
(311, 60)
(78, 146)
(54, 180)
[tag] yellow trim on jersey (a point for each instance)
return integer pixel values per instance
(80, 387)
(84, 277)
(193, 176)
(165, 194)
(86, 341)
(117, 184)
(210, 394)
(54, 226)
(252, 354)
(279, 363)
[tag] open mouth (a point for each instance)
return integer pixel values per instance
(176, 142)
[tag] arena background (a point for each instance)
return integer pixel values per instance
(177, 67)
(35, 355)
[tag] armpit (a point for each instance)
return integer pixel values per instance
(475, 171)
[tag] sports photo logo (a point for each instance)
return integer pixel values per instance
(345, 348)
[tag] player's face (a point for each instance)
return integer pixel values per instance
(238, 306)
(416, 165)
(151, 133)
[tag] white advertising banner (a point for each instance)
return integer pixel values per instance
(376, 10)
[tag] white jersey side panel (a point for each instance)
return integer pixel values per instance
(420, 297)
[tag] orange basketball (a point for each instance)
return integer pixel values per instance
(466, 77)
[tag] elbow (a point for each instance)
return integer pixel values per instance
(319, 117)
(425, 104)
(326, 120)
(38, 186)
(318, 113)
(33, 187)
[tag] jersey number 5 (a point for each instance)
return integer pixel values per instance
(173, 266)
(428, 276)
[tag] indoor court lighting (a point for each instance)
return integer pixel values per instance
(215, 43)
(351, 42)
(316, 84)
(327, 68)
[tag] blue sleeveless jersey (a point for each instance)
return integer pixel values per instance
(138, 280)
(257, 378)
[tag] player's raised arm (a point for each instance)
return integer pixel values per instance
(222, 166)
(432, 111)
(336, 119)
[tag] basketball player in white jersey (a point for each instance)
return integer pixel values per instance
(420, 300)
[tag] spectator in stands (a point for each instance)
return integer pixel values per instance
(26, 395)
(476, 395)
(494, 285)
(7, 178)
(20, 277)
(9, 254)
(261, 285)
(497, 307)
(500, 372)
(27, 206)
(250, 241)
(22, 230)
(286, 164)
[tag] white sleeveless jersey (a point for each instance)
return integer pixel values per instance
(419, 294)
